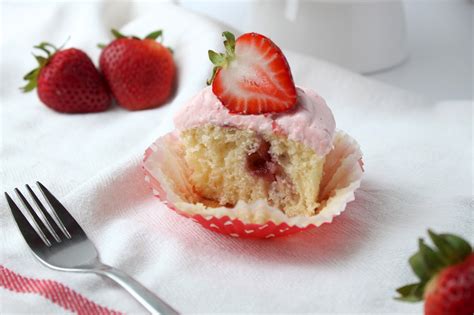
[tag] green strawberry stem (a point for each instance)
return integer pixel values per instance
(428, 262)
(32, 76)
(222, 60)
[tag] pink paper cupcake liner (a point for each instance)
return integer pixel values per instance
(166, 172)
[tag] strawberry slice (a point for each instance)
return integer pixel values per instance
(252, 76)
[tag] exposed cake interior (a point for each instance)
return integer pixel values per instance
(228, 164)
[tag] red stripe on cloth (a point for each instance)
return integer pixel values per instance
(53, 291)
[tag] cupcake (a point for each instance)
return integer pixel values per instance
(253, 155)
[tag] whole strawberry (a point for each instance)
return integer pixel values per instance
(67, 81)
(446, 276)
(140, 72)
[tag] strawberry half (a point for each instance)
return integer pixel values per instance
(446, 276)
(252, 76)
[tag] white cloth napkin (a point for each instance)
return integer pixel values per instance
(418, 174)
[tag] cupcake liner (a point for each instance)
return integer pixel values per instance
(167, 174)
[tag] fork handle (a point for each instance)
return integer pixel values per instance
(144, 296)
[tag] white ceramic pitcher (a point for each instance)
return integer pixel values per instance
(362, 35)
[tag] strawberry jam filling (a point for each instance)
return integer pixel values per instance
(261, 164)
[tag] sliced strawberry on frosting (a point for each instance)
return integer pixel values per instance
(252, 76)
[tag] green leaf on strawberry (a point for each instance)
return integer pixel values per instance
(446, 274)
(221, 60)
(32, 76)
(410, 293)
(154, 35)
(418, 265)
(452, 247)
(229, 43)
(117, 34)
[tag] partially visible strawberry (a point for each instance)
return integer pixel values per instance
(252, 76)
(140, 72)
(67, 81)
(446, 276)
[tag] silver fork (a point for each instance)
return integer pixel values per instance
(70, 249)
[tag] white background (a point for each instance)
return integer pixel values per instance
(440, 44)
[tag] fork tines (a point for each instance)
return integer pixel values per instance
(40, 218)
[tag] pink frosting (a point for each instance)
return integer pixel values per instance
(311, 121)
